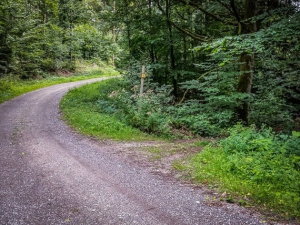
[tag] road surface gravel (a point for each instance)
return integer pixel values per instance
(49, 174)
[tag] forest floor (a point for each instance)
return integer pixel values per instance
(50, 174)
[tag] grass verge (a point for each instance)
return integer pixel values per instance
(252, 168)
(13, 87)
(82, 109)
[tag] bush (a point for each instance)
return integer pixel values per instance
(155, 112)
(144, 112)
(260, 164)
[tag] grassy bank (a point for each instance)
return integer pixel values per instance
(83, 109)
(252, 168)
(11, 87)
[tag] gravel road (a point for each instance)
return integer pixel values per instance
(49, 174)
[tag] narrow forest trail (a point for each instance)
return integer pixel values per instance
(52, 175)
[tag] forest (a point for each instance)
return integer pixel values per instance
(214, 68)
(238, 59)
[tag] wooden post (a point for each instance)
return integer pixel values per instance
(143, 76)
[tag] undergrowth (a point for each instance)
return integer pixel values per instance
(83, 108)
(258, 166)
(154, 112)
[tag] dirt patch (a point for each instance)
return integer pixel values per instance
(164, 158)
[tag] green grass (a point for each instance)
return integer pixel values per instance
(202, 143)
(81, 111)
(252, 167)
(13, 87)
(156, 153)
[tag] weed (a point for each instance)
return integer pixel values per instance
(201, 143)
(156, 153)
(258, 164)
(243, 202)
(178, 165)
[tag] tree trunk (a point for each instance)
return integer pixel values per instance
(245, 84)
(152, 55)
(247, 60)
(172, 56)
(250, 12)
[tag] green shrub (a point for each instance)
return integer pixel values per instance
(261, 165)
(146, 112)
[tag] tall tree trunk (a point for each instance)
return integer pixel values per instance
(152, 55)
(247, 61)
(172, 56)
(245, 84)
(128, 26)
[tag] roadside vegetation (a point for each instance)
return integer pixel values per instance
(85, 108)
(13, 86)
(252, 166)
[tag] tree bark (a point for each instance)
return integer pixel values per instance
(245, 84)
(247, 61)
(152, 55)
(250, 12)
(172, 56)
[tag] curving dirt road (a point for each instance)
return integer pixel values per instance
(51, 175)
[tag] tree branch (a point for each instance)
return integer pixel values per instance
(187, 90)
(235, 13)
(226, 6)
(191, 3)
(188, 33)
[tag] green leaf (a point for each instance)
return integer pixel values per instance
(296, 134)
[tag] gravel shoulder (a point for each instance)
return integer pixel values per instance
(51, 175)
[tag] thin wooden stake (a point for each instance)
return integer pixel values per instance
(143, 76)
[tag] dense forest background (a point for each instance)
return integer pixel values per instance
(38, 37)
(210, 63)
